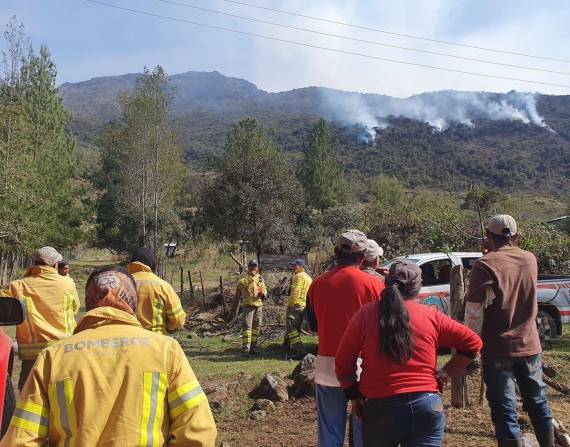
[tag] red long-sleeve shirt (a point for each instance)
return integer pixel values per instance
(381, 375)
(334, 297)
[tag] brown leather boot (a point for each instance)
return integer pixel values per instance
(546, 439)
(509, 443)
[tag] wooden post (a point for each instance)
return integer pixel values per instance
(181, 280)
(202, 284)
(222, 293)
(190, 285)
(456, 294)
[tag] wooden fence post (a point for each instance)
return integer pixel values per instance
(456, 297)
(202, 285)
(222, 293)
(190, 285)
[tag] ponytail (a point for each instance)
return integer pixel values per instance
(395, 333)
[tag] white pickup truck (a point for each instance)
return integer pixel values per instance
(553, 290)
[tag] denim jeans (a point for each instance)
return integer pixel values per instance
(408, 420)
(500, 376)
(331, 417)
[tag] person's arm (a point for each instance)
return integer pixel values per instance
(347, 353)
(76, 304)
(466, 342)
(263, 288)
(479, 296)
(29, 424)
(296, 286)
(175, 315)
(191, 421)
(310, 312)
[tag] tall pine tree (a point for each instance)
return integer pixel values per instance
(36, 150)
(254, 197)
(320, 172)
(142, 170)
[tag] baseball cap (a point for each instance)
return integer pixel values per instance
(253, 263)
(299, 262)
(408, 276)
(373, 251)
(352, 241)
(503, 225)
(47, 256)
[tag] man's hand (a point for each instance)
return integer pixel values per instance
(357, 405)
(382, 270)
(442, 379)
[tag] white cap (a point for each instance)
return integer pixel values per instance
(503, 225)
(373, 251)
(47, 256)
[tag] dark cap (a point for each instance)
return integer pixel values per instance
(407, 275)
(253, 263)
(299, 262)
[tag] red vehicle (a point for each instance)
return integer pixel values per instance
(11, 313)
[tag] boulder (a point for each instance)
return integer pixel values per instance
(220, 394)
(309, 363)
(258, 415)
(304, 377)
(271, 388)
(304, 384)
(263, 405)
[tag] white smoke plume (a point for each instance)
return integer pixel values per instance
(439, 109)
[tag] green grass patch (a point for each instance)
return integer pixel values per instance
(212, 358)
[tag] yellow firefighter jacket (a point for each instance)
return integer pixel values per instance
(51, 302)
(299, 288)
(158, 306)
(113, 383)
(249, 289)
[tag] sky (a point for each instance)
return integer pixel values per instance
(89, 40)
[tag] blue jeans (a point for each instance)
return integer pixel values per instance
(331, 417)
(407, 420)
(500, 376)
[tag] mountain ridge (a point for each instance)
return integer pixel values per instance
(432, 139)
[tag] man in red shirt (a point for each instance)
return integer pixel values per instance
(333, 298)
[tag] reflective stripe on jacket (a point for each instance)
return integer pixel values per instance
(249, 288)
(158, 306)
(113, 383)
(299, 288)
(51, 303)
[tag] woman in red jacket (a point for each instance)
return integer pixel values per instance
(397, 339)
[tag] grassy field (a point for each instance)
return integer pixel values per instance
(218, 360)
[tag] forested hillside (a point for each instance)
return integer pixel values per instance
(513, 141)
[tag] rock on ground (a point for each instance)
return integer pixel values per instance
(304, 377)
(271, 388)
(258, 415)
(309, 363)
(220, 394)
(264, 405)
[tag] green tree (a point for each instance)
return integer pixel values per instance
(141, 170)
(388, 192)
(36, 150)
(254, 197)
(320, 171)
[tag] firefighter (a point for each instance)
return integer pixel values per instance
(158, 309)
(296, 306)
(113, 382)
(250, 291)
(51, 303)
